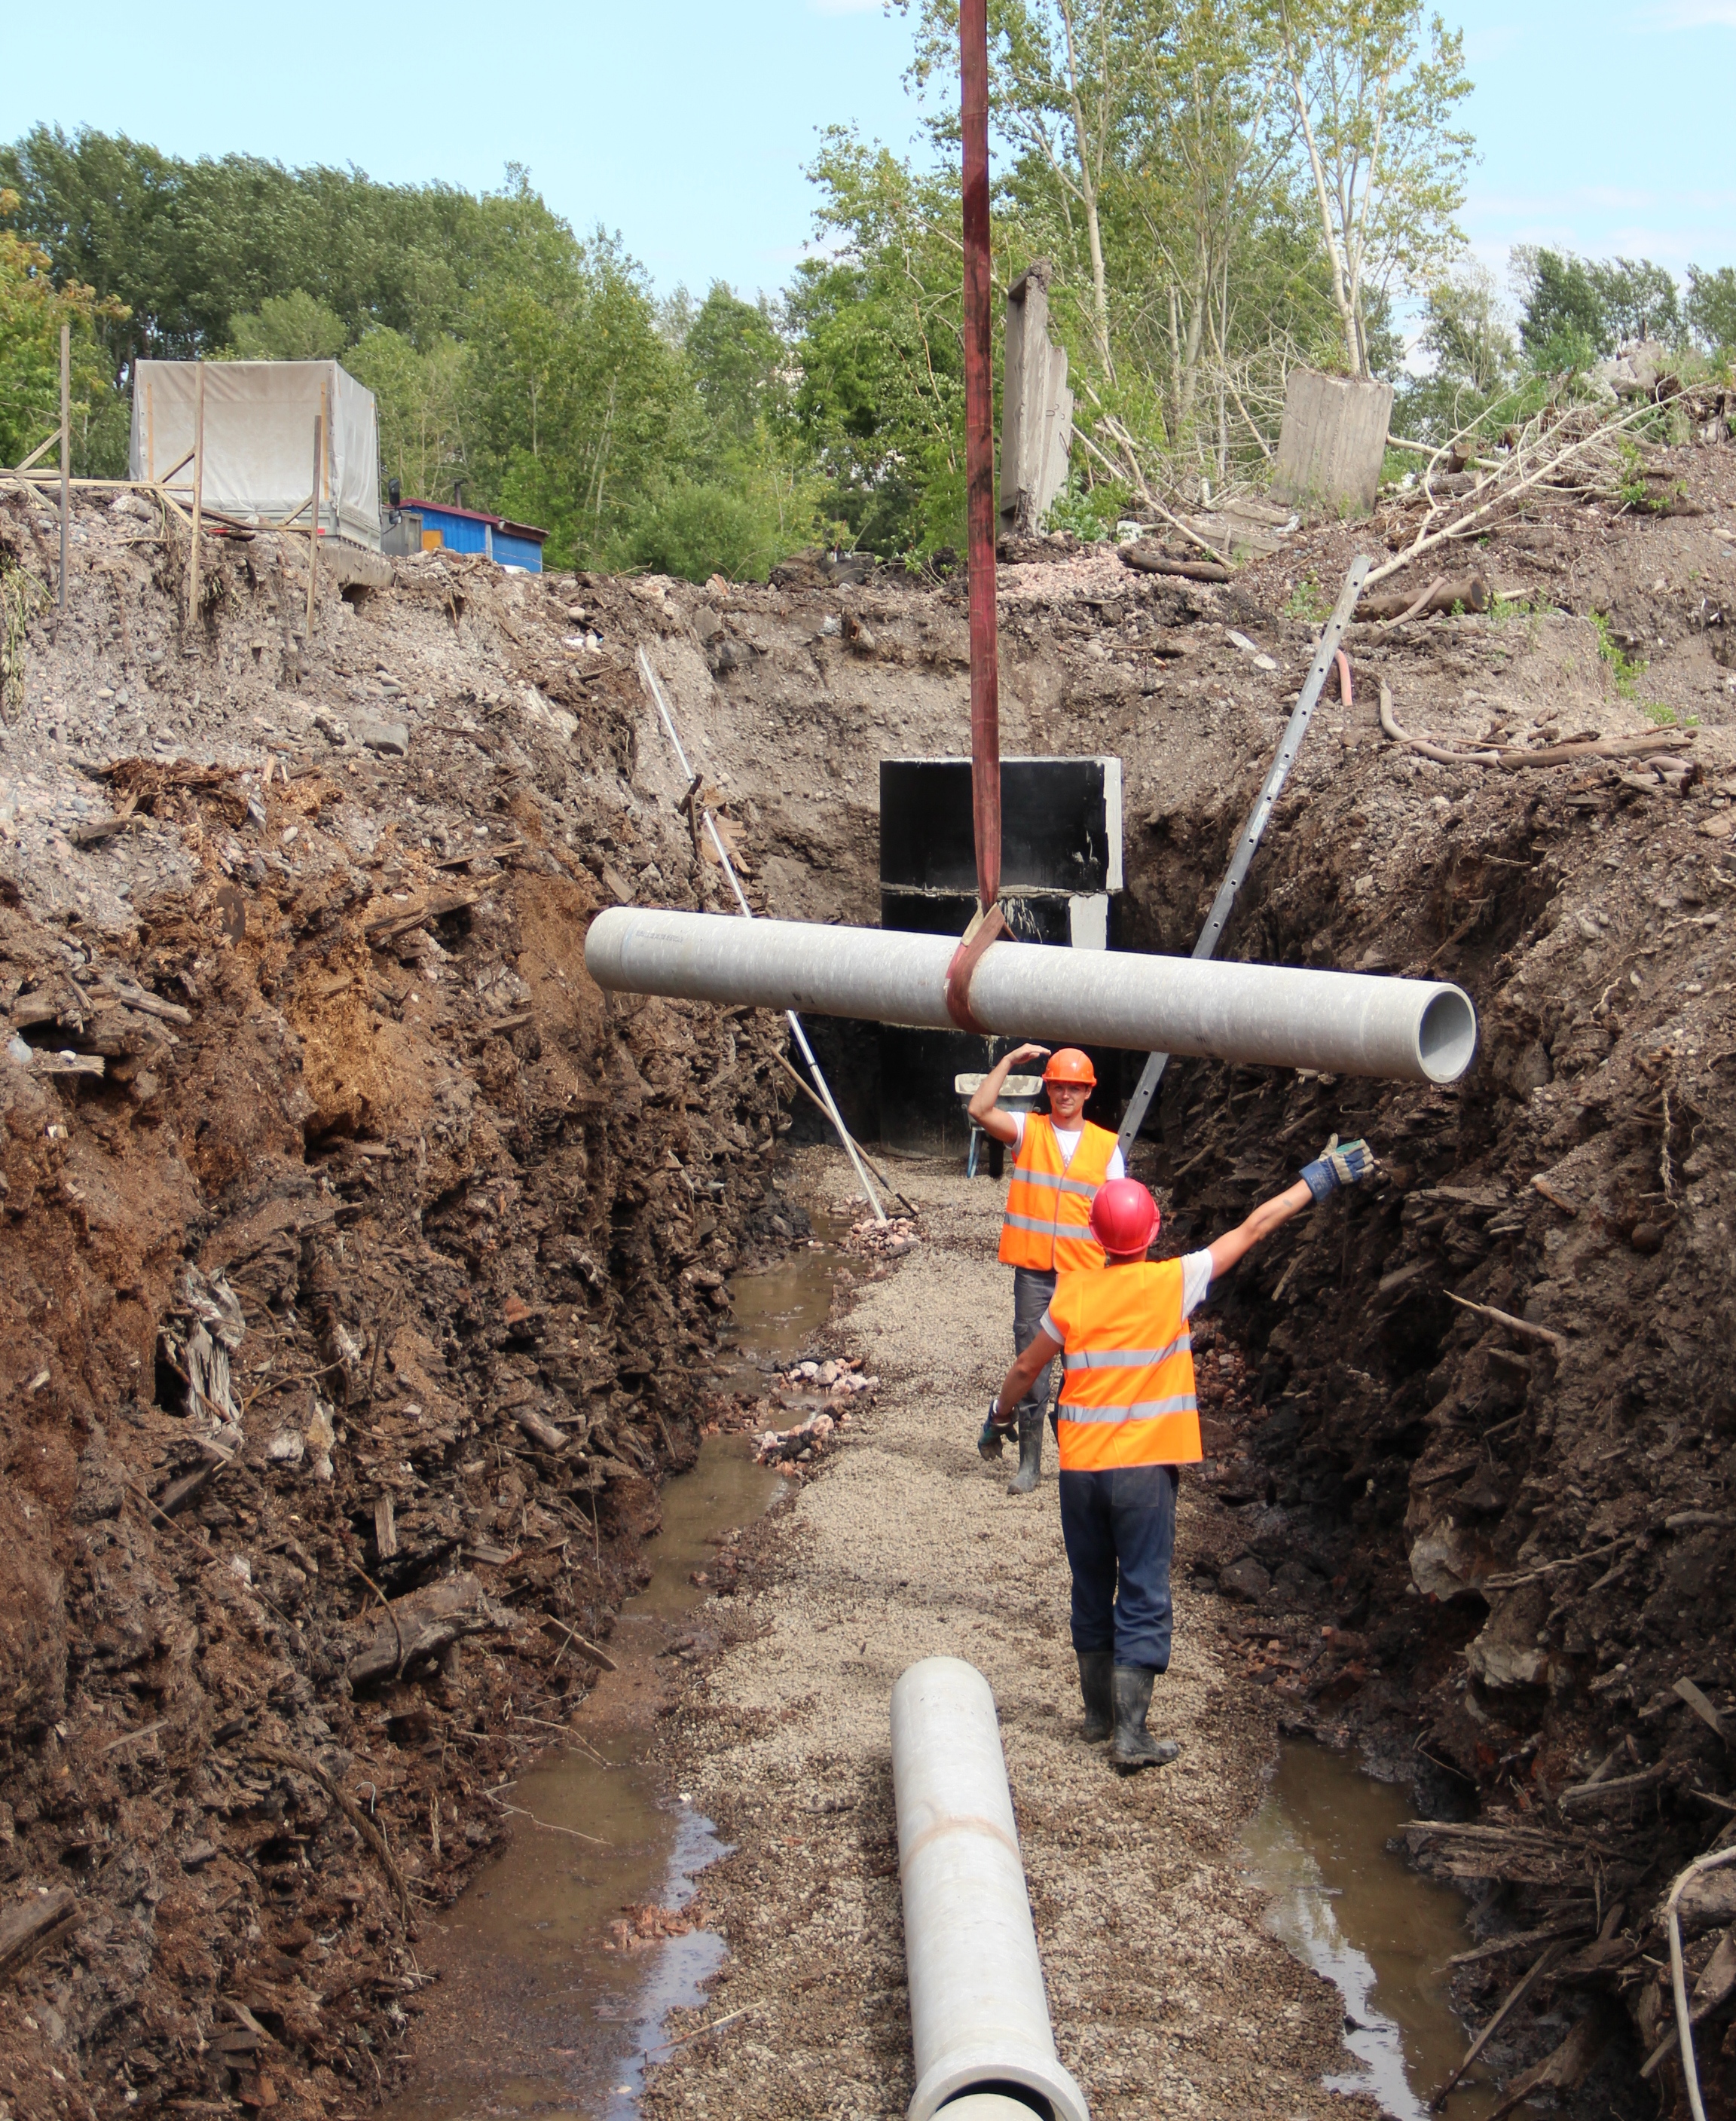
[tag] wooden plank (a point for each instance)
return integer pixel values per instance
(65, 459)
(41, 449)
(312, 520)
(198, 497)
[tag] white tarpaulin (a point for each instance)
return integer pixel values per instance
(259, 418)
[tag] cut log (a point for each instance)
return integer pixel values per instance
(1594, 1796)
(1518, 1940)
(423, 1625)
(28, 1925)
(1471, 591)
(1153, 560)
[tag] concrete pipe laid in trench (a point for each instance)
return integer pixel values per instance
(1341, 1024)
(978, 2015)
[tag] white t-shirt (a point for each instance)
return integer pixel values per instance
(1196, 1283)
(1069, 1143)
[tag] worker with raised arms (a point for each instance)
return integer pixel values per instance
(1061, 1160)
(1127, 1421)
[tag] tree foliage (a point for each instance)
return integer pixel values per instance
(502, 349)
(32, 308)
(1374, 91)
(1710, 310)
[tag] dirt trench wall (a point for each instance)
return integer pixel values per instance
(464, 1222)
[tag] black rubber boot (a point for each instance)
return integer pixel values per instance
(1030, 1452)
(1096, 1685)
(1134, 1746)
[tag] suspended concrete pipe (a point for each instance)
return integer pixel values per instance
(978, 2015)
(1341, 1024)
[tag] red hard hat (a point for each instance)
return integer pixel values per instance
(1070, 1065)
(1124, 1217)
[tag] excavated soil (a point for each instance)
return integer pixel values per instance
(460, 1226)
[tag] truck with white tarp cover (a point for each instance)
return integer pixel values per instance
(259, 447)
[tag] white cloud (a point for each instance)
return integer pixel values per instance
(1693, 15)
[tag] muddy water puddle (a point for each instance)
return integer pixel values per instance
(534, 2013)
(781, 1312)
(1353, 1908)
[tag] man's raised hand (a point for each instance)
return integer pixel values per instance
(1339, 1163)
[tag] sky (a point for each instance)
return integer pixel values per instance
(1602, 128)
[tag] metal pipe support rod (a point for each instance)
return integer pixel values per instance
(797, 1033)
(1341, 1024)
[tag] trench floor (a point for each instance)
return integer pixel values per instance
(1167, 1992)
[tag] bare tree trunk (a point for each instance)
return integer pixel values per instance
(1342, 296)
(1088, 199)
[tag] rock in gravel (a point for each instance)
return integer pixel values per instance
(390, 739)
(1244, 1579)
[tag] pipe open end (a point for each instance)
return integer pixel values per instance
(994, 2106)
(1446, 1038)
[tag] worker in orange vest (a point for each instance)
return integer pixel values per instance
(1062, 1159)
(1126, 1420)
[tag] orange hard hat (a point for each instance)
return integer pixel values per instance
(1070, 1065)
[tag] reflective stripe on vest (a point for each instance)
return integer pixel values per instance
(1127, 1394)
(1049, 1202)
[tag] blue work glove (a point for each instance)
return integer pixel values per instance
(995, 1429)
(1339, 1163)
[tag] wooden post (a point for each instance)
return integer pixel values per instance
(198, 495)
(66, 461)
(312, 520)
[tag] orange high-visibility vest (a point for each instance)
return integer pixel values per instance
(1047, 1224)
(1127, 1396)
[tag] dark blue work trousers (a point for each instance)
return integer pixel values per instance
(1032, 1289)
(1119, 1527)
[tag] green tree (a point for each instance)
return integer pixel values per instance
(1711, 306)
(1638, 299)
(1564, 310)
(1375, 90)
(738, 361)
(33, 308)
(878, 326)
(292, 327)
(1468, 335)
(419, 403)
(1061, 94)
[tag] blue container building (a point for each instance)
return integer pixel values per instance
(427, 526)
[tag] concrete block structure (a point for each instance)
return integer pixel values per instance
(1332, 442)
(1036, 407)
